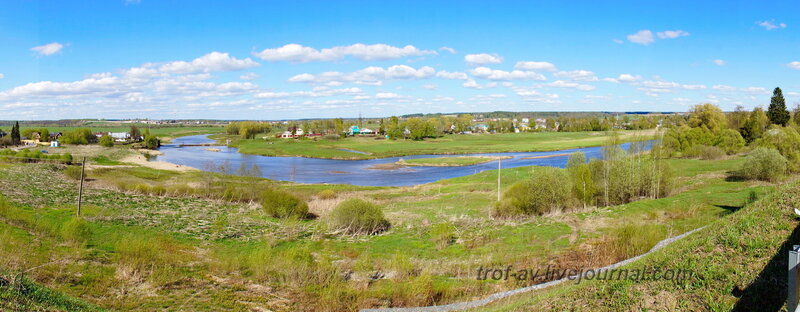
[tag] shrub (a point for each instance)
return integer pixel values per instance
(73, 172)
(106, 141)
(326, 194)
(705, 152)
(787, 141)
(548, 190)
(77, 231)
(764, 164)
(282, 204)
(443, 234)
(356, 216)
(332, 137)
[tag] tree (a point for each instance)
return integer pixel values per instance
(777, 113)
(755, 126)
(152, 142)
(15, 136)
(135, 133)
(708, 115)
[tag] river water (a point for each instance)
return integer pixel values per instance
(355, 172)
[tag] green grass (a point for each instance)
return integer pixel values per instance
(448, 144)
(739, 264)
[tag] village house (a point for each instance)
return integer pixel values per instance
(288, 134)
(120, 136)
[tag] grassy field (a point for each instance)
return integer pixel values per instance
(369, 147)
(740, 263)
(148, 252)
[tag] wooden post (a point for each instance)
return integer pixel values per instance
(80, 190)
(498, 179)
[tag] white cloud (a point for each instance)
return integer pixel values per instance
(212, 62)
(577, 75)
(569, 84)
(496, 74)
(794, 65)
(617, 41)
(483, 58)
(448, 49)
(771, 24)
(474, 85)
(624, 78)
(430, 86)
(723, 88)
(451, 75)
(2, 76)
(387, 95)
(643, 37)
(48, 49)
(372, 75)
(541, 66)
(249, 76)
(720, 62)
(300, 54)
(671, 34)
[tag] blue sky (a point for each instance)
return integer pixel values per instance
(310, 59)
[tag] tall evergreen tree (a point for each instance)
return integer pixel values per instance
(15, 136)
(777, 112)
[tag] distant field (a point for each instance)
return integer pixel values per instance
(176, 131)
(449, 144)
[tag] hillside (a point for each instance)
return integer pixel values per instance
(739, 261)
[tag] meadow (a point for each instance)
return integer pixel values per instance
(152, 239)
(378, 147)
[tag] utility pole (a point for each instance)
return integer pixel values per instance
(80, 190)
(498, 179)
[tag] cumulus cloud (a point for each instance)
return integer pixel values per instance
(794, 65)
(482, 59)
(472, 84)
(577, 75)
(536, 66)
(451, 75)
(496, 74)
(448, 49)
(212, 62)
(249, 76)
(720, 62)
(771, 24)
(571, 85)
(48, 49)
(671, 34)
(372, 75)
(430, 86)
(643, 37)
(2, 76)
(301, 54)
(624, 78)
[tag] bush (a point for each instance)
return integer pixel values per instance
(106, 141)
(764, 164)
(282, 204)
(548, 190)
(332, 137)
(326, 194)
(443, 234)
(77, 231)
(705, 152)
(356, 216)
(73, 172)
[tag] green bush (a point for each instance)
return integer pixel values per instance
(326, 194)
(106, 141)
(443, 234)
(764, 164)
(73, 172)
(282, 204)
(705, 152)
(356, 216)
(548, 190)
(77, 231)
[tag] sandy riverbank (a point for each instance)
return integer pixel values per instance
(139, 159)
